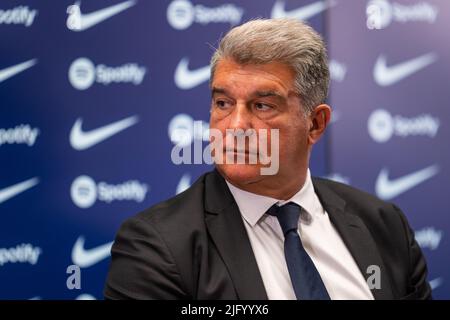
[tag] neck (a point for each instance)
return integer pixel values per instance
(277, 187)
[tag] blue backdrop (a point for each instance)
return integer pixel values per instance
(94, 94)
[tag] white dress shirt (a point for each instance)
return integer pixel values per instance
(337, 268)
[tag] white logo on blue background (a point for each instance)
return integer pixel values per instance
(381, 13)
(85, 258)
(429, 237)
(16, 189)
(304, 13)
(83, 73)
(82, 140)
(77, 21)
(385, 75)
(184, 183)
(18, 15)
(338, 70)
(382, 126)
(181, 14)
(21, 134)
(11, 71)
(23, 253)
(182, 130)
(387, 188)
(187, 79)
(85, 191)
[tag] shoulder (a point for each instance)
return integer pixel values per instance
(388, 226)
(351, 195)
(371, 209)
(152, 247)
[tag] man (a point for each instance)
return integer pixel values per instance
(240, 234)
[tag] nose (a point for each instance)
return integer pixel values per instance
(241, 117)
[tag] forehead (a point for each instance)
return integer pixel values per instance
(273, 75)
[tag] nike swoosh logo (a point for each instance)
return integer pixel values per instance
(335, 116)
(187, 79)
(387, 189)
(12, 71)
(80, 22)
(82, 140)
(12, 191)
(386, 76)
(303, 13)
(436, 283)
(87, 258)
(185, 183)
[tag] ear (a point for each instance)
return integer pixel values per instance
(320, 117)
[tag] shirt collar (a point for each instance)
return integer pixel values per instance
(253, 206)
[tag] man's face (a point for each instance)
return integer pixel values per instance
(260, 97)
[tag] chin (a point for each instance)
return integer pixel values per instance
(240, 173)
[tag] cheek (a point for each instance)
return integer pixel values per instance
(216, 125)
(217, 121)
(217, 130)
(293, 141)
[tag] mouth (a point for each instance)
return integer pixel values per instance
(238, 151)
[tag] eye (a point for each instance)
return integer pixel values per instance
(221, 104)
(262, 106)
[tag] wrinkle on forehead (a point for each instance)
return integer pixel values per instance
(274, 75)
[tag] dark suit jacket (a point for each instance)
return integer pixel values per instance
(195, 246)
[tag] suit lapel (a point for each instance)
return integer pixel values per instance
(356, 237)
(227, 230)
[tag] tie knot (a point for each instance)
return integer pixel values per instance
(287, 215)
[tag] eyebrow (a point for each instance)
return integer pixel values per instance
(258, 93)
(270, 93)
(216, 90)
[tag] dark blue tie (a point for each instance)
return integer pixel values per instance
(304, 276)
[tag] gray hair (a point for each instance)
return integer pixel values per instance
(285, 40)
